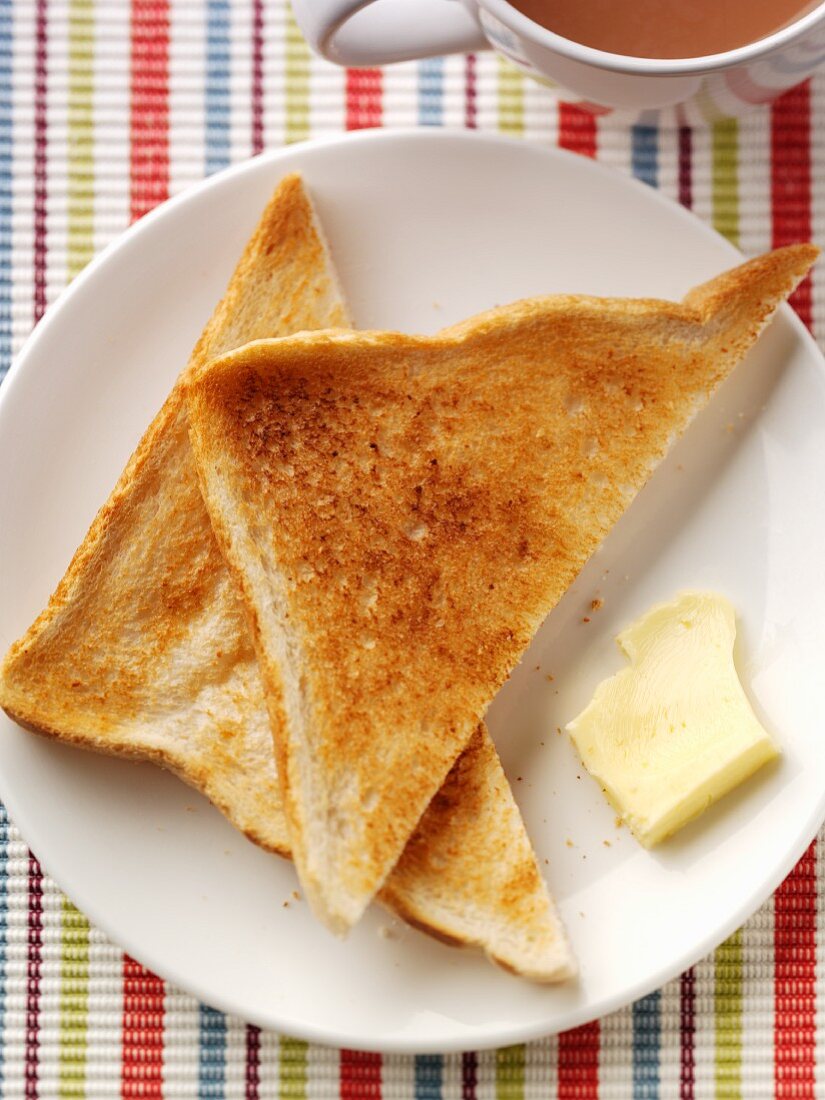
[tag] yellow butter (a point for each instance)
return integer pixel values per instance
(674, 732)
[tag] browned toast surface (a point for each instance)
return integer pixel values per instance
(402, 512)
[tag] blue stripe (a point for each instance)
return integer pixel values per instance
(217, 85)
(646, 1035)
(5, 183)
(212, 1055)
(645, 154)
(429, 1074)
(431, 92)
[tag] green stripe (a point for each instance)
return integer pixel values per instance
(510, 98)
(74, 928)
(296, 81)
(80, 243)
(727, 1004)
(728, 957)
(74, 1000)
(725, 151)
(292, 1082)
(510, 1073)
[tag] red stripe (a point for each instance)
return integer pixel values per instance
(33, 960)
(686, 166)
(142, 1053)
(470, 95)
(687, 1031)
(150, 105)
(360, 1075)
(34, 944)
(577, 129)
(40, 149)
(258, 76)
(791, 179)
(253, 1062)
(469, 1075)
(795, 902)
(794, 941)
(578, 1063)
(142, 1058)
(364, 87)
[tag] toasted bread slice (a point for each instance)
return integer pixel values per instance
(470, 866)
(144, 650)
(402, 512)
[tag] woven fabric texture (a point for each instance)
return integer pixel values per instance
(107, 107)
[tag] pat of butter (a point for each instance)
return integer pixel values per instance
(674, 732)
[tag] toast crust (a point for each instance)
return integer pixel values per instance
(415, 517)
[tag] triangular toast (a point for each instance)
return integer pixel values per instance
(144, 650)
(402, 512)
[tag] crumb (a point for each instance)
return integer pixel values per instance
(617, 821)
(547, 863)
(541, 743)
(285, 905)
(227, 852)
(586, 619)
(386, 933)
(581, 914)
(549, 678)
(597, 604)
(606, 843)
(538, 668)
(578, 777)
(190, 809)
(296, 895)
(569, 842)
(437, 305)
(518, 779)
(680, 466)
(729, 427)
(584, 856)
(558, 730)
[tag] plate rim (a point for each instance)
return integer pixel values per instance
(495, 1035)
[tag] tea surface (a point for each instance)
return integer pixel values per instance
(664, 28)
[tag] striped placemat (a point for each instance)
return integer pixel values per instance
(106, 108)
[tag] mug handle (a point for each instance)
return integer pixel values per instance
(362, 33)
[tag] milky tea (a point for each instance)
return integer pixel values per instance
(664, 28)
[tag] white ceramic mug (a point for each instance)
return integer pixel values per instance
(376, 32)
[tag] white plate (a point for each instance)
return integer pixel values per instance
(427, 228)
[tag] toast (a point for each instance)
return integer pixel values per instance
(144, 651)
(402, 512)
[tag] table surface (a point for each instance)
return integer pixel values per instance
(108, 107)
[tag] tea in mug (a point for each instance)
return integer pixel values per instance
(664, 28)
